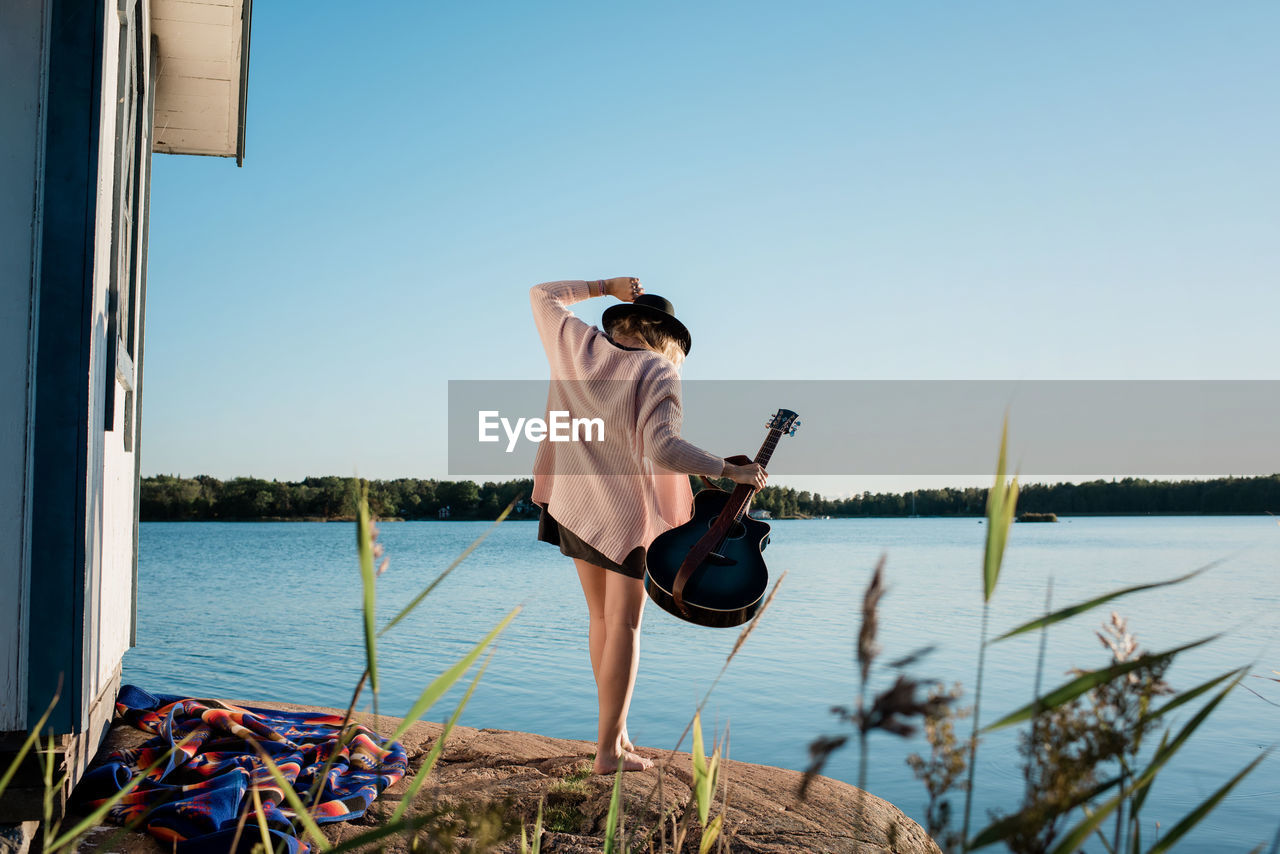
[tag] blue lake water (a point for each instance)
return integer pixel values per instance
(271, 611)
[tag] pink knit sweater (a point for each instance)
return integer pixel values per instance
(623, 491)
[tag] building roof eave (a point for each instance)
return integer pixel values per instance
(202, 76)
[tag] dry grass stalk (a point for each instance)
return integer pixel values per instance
(867, 647)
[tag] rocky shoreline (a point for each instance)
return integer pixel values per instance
(511, 772)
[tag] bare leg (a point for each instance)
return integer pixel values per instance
(592, 579)
(615, 621)
(624, 606)
(593, 588)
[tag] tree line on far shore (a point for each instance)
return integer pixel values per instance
(204, 498)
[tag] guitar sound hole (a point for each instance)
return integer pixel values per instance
(736, 532)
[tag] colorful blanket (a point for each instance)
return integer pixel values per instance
(195, 798)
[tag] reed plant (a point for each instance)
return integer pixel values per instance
(1085, 749)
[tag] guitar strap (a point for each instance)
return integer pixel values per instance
(706, 544)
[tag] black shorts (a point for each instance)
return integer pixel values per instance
(551, 531)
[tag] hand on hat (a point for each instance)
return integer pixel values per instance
(625, 288)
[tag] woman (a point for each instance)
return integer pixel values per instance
(604, 501)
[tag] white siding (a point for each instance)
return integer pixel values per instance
(115, 601)
(109, 545)
(22, 49)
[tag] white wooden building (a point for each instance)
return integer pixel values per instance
(90, 89)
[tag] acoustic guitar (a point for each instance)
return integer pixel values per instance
(710, 570)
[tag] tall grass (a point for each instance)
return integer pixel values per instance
(1086, 755)
(1002, 499)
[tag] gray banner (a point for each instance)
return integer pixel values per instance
(910, 427)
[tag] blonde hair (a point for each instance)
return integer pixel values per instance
(649, 331)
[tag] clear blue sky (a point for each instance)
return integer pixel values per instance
(836, 190)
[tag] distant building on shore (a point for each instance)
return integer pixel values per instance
(91, 89)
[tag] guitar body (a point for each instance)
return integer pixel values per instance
(728, 586)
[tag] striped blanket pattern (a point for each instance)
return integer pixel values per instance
(195, 796)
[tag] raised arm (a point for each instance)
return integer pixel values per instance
(558, 327)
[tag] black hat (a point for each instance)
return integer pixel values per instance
(654, 306)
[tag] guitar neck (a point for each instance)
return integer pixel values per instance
(767, 448)
(742, 494)
(784, 422)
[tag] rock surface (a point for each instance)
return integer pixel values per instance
(489, 783)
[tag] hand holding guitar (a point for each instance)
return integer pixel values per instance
(752, 474)
(709, 571)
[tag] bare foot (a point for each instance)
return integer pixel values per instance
(626, 741)
(630, 762)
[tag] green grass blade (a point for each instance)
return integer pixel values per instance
(368, 578)
(704, 771)
(713, 774)
(30, 742)
(46, 760)
(538, 832)
(444, 681)
(1170, 748)
(1002, 498)
(615, 812)
(1068, 691)
(295, 802)
(1197, 815)
(995, 832)
(1167, 748)
(1000, 829)
(261, 821)
(1072, 841)
(1067, 613)
(1102, 837)
(699, 754)
(710, 834)
(417, 600)
(1140, 797)
(1188, 696)
(424, 770)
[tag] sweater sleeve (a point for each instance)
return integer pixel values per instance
(660, 416)
(561, 332)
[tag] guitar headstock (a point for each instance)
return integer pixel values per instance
(784, 421)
